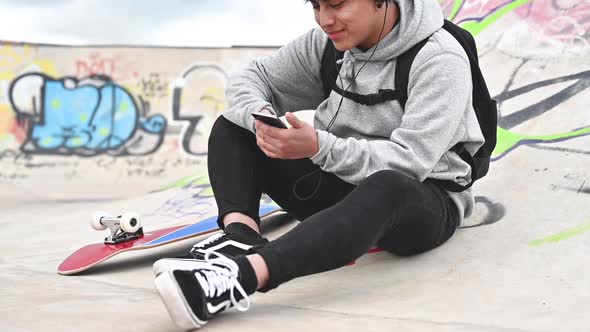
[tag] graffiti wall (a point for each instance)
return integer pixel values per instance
(110, 115)
(535, 55)
(135, 114)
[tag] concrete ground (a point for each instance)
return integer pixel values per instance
(522, 266)
(519, 263)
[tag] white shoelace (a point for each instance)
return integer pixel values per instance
(220, 279)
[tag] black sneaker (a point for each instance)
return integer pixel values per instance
(227, 244)
(195, 291)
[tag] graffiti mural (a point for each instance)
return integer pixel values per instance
(194, 199)
(87, 113)
(477, 15)
(83, 117)
(564, 22)
(153, 86)
(557, 22)
(14, 59)
(509, 140)
(114, 66)
(198, 114)
(563, 235)
(11, 57)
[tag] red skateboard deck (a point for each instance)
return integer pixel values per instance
(93, 254)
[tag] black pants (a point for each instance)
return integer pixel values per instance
(340, 221)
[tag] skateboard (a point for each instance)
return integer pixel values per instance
(127, 234)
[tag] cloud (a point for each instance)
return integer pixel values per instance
(155, 22)
(242, 25)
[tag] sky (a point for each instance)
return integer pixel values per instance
(155, 22)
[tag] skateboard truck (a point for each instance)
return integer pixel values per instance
(123, 228)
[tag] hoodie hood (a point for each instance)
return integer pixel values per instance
(418, 20)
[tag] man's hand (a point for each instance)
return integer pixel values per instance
(299, 141)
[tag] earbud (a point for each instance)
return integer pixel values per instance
(339, 61)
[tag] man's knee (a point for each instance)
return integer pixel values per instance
(390, 179)
(408, 238)
(222, 125)
(223, 129)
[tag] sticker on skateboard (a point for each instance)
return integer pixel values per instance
(127, 234)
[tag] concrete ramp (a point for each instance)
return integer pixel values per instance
(520, 263)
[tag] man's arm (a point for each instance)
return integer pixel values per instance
(288, 80)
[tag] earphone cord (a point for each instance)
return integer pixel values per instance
(338, 110)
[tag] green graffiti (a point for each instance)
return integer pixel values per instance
(568, 233)
(456, 7)
(508, 140)
(475, 27)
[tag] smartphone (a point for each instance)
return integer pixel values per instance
(270, 119)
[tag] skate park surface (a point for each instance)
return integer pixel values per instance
(519, 263)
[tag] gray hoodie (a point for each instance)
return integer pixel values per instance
(367, 139)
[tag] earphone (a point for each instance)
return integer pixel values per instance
(340, 62)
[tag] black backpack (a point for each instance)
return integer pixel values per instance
(485, 107)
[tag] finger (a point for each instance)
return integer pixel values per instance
(261, 126)
(293, 120)
(276, 133)
(264, 125)
(266, 146)
(272, 155)
(269, 153)
(276, 144)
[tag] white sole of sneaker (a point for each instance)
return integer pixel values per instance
(175, 303)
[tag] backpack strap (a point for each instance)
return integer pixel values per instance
(381, 96)
(329, 74)
(402, 71)
(329, 70)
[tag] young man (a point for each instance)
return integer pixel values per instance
(361, 176)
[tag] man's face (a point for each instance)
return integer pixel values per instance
(349, 23)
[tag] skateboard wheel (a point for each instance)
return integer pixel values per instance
(95, 222)
(130, 222)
